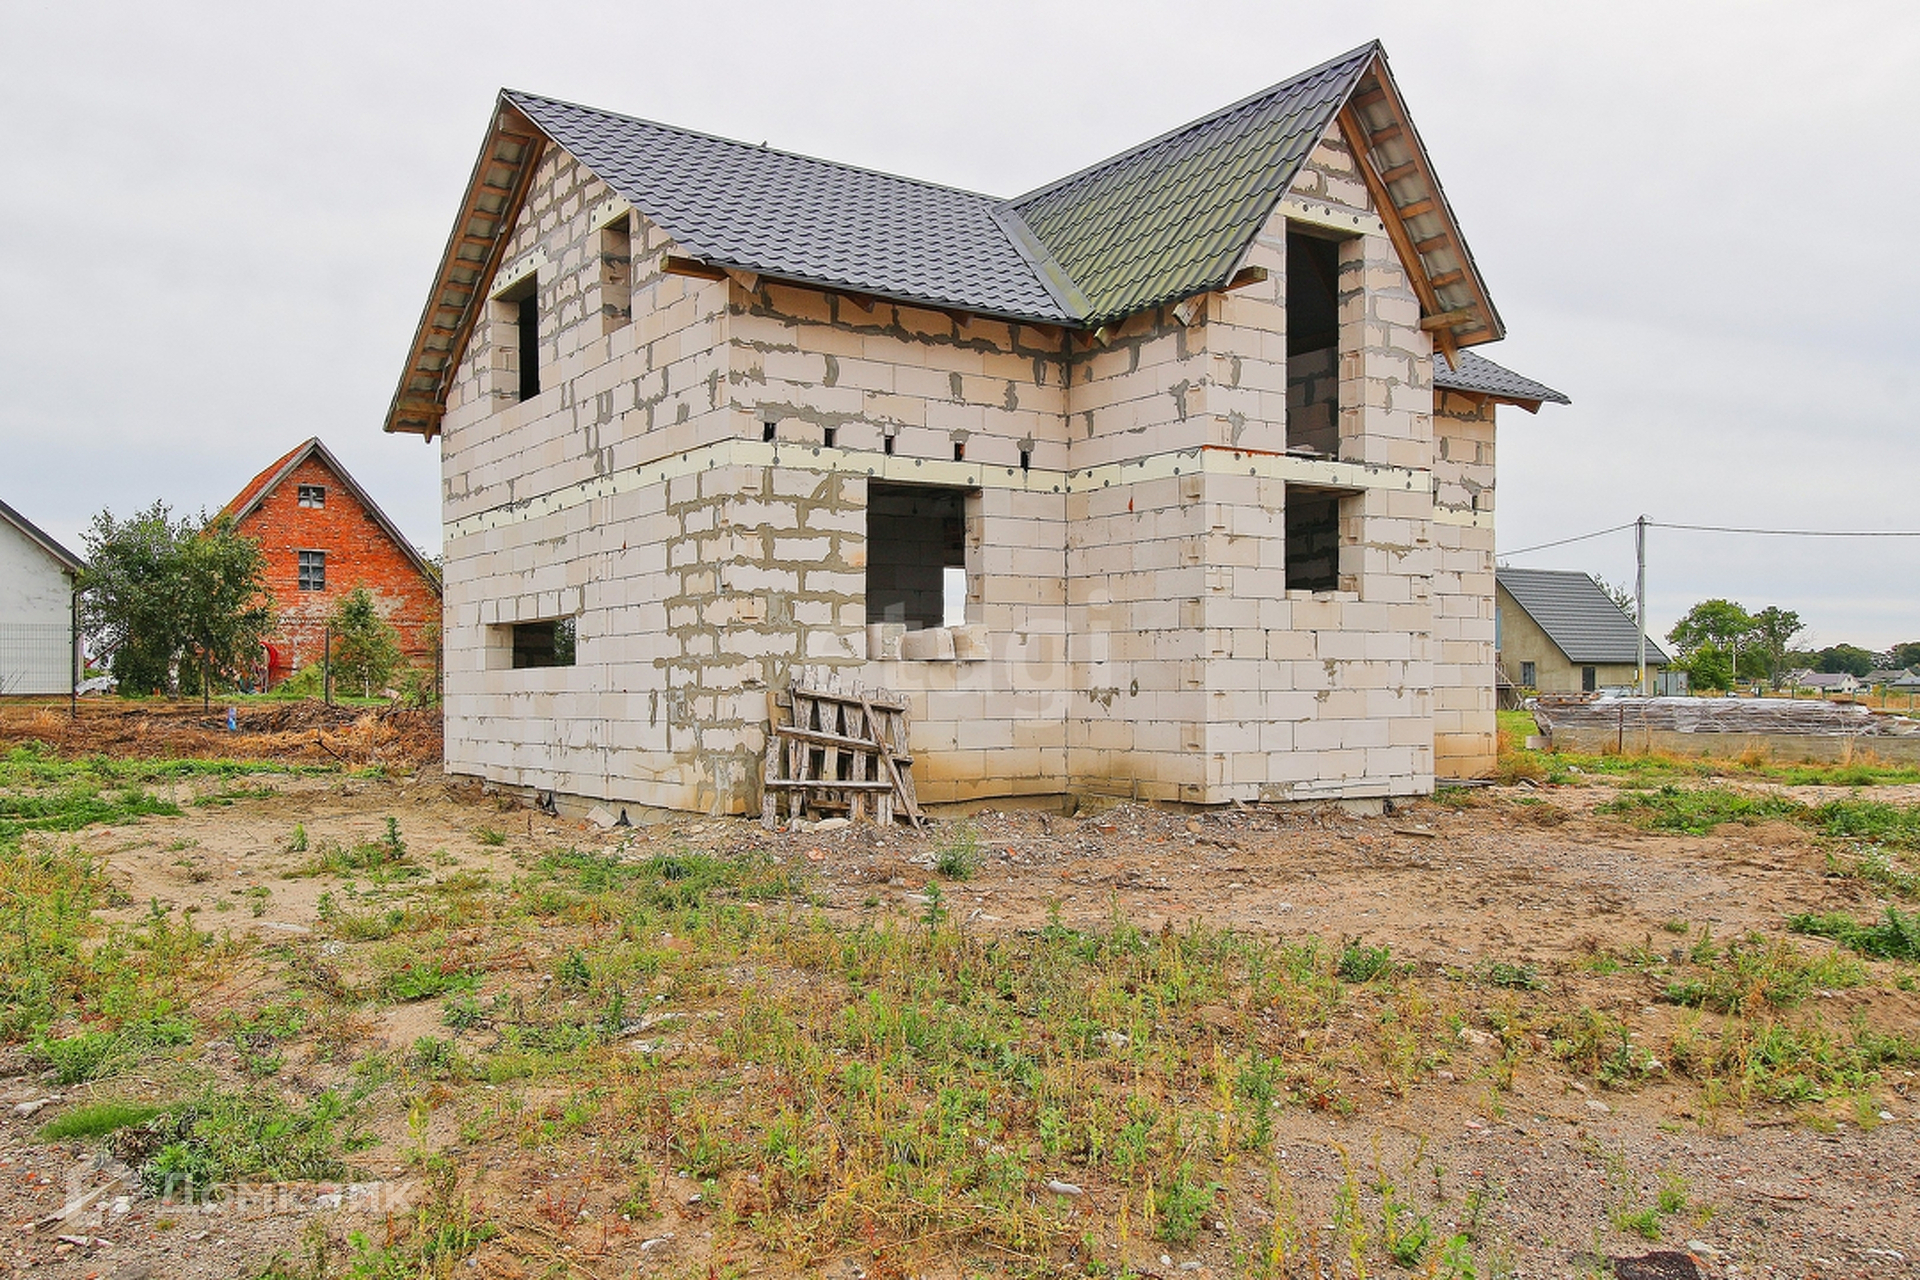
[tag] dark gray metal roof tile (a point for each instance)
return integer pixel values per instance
(796, 217)
(1482, 376)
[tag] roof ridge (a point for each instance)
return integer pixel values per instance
(513, 95)
(1369, 50)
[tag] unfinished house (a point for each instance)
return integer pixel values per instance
(1170, 479)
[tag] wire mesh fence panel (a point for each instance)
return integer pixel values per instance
(35, 657)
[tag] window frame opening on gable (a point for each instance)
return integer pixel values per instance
(1529, 675)
(516, 316)
(917, 571)
(1321, 545)
(1589, 679)
(311, 496)
(543, 643)
(616, 273)
(310, 569)
(1316, 342)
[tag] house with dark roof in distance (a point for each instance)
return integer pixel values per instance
(1172, 479)
(1560, 632)
(323, 536)
(39, 644)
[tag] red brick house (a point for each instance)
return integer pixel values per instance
(323, 536)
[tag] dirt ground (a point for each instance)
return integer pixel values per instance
(1525, 876)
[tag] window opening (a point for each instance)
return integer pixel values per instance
(916, 555)
(1589, 680)
(313, 570)
(313, 495)
(1313, 539)
(616, 273)
(1313, 344)
(522, 314)
(1529, 679)
(543, 644)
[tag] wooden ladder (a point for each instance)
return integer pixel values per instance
(837, 748)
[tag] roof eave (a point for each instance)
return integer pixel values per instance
(1455, 304)
(495, 190)
(68, 561)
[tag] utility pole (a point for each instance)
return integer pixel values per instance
(1640, 595)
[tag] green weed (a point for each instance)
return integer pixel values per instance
(1895, 936)
(96, 1120)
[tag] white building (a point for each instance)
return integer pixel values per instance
(37, 638)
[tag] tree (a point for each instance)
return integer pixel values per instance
(1774, 630)
(1708, 667)
(366, 648)
(1850, 658)
(160, 593)
(1620, 596)
(1904, 655)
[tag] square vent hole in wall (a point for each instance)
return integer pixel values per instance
(916, 555)
(1317, 525)
(1313, 345)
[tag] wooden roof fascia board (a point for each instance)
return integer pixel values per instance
(1396, 228)
(505, 119)
(1388, 95)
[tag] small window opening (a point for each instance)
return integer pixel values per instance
(886, 444)
(768, 430)
(1026, 459)
(313, 570)
(827, 435)
(959, 450)
(313, 495)
(1313, 344)
(1529, 677)
(521, 316)
(616, 273)
(1589, 680)
(543, 644)
(916, 555)
(1313, 539)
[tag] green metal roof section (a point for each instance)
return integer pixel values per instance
(1174, 216)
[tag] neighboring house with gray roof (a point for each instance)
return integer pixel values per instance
(1560, 632)
(1173, 478)
(38, 642)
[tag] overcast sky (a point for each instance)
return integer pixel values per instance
(220, 222)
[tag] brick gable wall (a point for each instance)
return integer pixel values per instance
(359, 554)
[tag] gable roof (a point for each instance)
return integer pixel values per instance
(248, 500)
(34, 534)
(733, 204)
(1175, 215)
(1170, 218)
(1477, 375)
(1577, 615)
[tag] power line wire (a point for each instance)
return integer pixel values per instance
(1619, 528)
(1717, 528)
(1792, 533)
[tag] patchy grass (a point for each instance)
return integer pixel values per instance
(1656, 768)
(1698, 810)
(1895, 936)
(96, 1120)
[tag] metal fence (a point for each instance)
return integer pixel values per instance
(36, 657)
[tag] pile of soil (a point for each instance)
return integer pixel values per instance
(303, 732)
